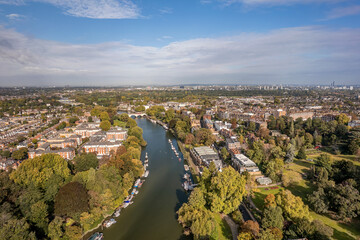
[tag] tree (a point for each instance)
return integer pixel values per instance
(224, 153)
(324, 160)
(189, 138)
(199, 220)
(131, 123)
(105, 125)
(71, 200)
(251, 227)
(73, 232)
(226, 190)
(271, 234)
(61, 126)
(104, 116)
(169, 115)
(245, 236)
(273, 218)
(301, 154)
(56, 229)
(20, 154)
(204, 136)
(197, 199)
(15, 229)
(85, 161)
(342, 119)
(290, 154)
(292, 206)
(40, 170)
(354, 147)
(39, 213)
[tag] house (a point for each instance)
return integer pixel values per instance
(116, 134)
(102, 148)
(205, 155)
(243, 163)
(66, 153)
(232, 143)
(263, 180)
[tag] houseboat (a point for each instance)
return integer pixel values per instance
(109, 222)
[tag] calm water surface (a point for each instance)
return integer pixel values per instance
(152, 216)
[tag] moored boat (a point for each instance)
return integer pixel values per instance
(109, 222)
(117, 212)
(146, 174)
(96, 236)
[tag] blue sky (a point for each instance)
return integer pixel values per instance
(115, 42)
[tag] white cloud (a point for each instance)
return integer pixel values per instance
(99, 9)
(273, 2)
(343, 12)
(12, 2)
(166, 10)
(311, 55)
(15, 16)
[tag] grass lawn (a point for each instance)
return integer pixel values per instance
(223, 229)
(313, 154)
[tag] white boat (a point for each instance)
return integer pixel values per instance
(137, 182)
(96, 236)
(146, 173)
(186, 167)
(146, 156)
(117, 212)
(109, 222)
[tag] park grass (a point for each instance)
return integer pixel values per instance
(313, 154)
(223, 231)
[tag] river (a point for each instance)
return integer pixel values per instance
(152, 216)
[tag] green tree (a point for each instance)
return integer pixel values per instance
(273, 217)
(85, 161)
(105, 125)
(292, 206)
(226, 191)
(104, 116)
(301, 154)
(39, 213)
(197, 198)
(342, 119)
(324, 160)
(15, 229)
(20, 154)
(40, 170)
(56, 231)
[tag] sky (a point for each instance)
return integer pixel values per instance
(179, 42)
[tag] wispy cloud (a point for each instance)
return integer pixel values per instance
(270, 2)
(98, 9)
(166, 10)
(15, 16)
(343, 12)
(12, 2)
(291, 55)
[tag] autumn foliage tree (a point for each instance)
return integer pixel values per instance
(71, 200)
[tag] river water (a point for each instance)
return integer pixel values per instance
(152, 216)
